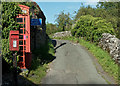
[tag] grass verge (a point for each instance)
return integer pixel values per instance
(41, 58)
(102, 56)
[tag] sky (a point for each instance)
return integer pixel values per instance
(52, 9)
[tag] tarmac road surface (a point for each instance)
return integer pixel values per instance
(73, 65)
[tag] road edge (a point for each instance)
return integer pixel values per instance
(105, 75)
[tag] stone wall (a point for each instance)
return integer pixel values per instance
(38, 37)
(111, 44)
(38, 33)
(62, 34)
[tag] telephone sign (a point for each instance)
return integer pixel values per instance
(36, 22)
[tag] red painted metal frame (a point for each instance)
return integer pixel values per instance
(21, 64)
(27, 33)
(26, 38)
(27, 28)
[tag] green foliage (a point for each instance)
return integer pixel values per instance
(51, 28)
(43, 55)
(7, 54)
(91, 28)
(64, 21)
(85, 11)
(112, 14)
(105, 10)
(39, 65)
(9, 12)
(37, 75)
(0, 26)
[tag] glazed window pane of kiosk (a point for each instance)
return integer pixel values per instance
(19, 19)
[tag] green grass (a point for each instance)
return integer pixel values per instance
(102, 56)
(35, 76)
(42, 57)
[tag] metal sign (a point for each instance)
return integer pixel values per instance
(36, 22)
(14, 43)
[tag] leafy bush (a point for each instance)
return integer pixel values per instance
(9, 12)
(7, 54)
(92, 28)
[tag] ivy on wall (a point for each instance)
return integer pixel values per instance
(9, 12)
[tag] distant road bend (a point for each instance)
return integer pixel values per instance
(73, 65)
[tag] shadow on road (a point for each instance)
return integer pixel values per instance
(60, 46)
(54, 42)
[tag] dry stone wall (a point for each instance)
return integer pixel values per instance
(38, 38)
(62, 34)
(108, 42)
(111, 44)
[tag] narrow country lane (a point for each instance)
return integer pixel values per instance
(73, 65)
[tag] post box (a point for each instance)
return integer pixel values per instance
(14, 40)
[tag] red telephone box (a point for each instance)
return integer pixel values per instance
(14, 40)
(24, 38)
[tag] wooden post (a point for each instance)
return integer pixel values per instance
(15, 69)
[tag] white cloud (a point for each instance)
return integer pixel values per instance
(90, 3)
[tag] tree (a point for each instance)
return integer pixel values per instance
(105, 10)
(85, 11)
(64, 21)
(112, 15)
(51, 28)
(91, 28)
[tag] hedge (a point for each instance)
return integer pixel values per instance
(91, 28)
